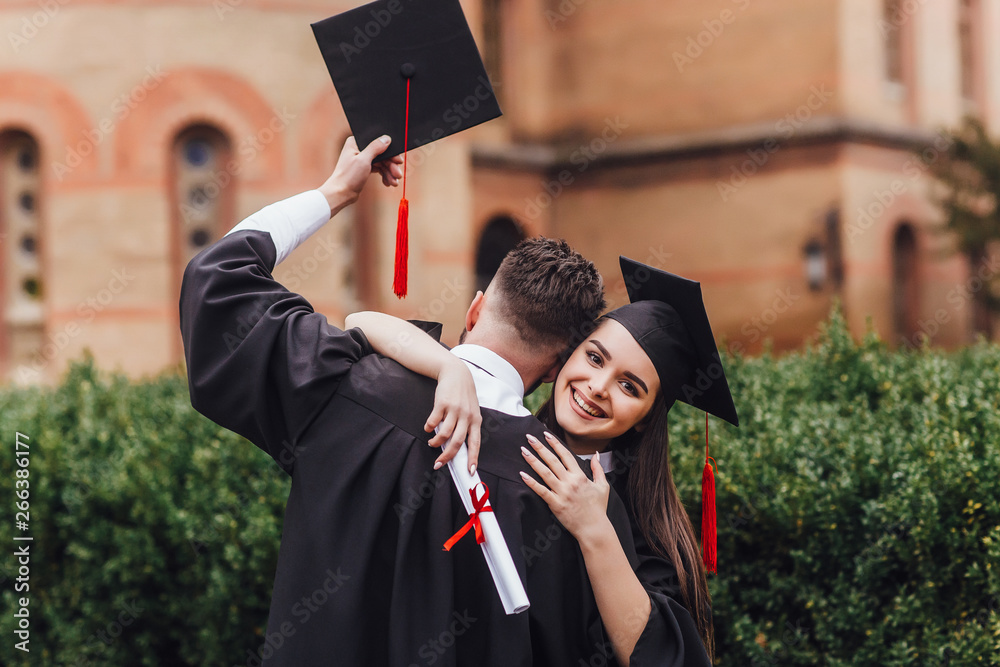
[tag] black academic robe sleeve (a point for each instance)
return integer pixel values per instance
(260, 361)
(670, 637)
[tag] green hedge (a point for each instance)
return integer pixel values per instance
(155, 531)
(858, 508)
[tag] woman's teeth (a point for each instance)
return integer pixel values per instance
(593, 412)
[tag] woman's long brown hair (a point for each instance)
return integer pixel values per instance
(658, 510)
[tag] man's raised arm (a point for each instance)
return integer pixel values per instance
(260, 361)
(291, 221)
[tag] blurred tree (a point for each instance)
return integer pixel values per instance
(969, 173)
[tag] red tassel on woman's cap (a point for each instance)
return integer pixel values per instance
(708, 525)
(667, 317)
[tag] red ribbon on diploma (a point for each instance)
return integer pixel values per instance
(478, 505)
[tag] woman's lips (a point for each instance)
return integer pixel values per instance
(585, 406)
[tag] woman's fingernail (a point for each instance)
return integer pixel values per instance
(437, 466)
(385, 139)
(533, 440)
(549, 436)
(472, 469)
(524, 474)
(524, 450)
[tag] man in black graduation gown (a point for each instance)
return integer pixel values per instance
(362, 578)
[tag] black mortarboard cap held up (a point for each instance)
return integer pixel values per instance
(373, 50)
(409, 69)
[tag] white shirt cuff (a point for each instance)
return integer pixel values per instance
(290, 221)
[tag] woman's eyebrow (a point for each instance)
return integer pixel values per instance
(600, 347)
(635, 378)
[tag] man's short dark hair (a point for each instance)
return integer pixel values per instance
(549, 292)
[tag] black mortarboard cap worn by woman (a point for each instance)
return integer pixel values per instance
(376, 51)
(667, 318)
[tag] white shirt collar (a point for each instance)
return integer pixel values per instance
(607, 459)
(498, 384)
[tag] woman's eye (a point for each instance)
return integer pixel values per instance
(630, 388)
(594, 358)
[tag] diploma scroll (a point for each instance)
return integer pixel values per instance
(508, 583)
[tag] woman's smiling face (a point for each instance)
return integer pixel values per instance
(607, 386)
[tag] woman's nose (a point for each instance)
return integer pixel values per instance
(599, 385)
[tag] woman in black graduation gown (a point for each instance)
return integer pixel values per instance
(613, 396)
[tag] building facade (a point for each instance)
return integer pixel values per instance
(776, 151)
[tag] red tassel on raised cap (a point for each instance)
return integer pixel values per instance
(402, 249)
(403, 218)
(708, 526)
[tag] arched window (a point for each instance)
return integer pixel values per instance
(905, 284)
(21, 288)
(499, 237)
(203, 189)
(202, 196)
